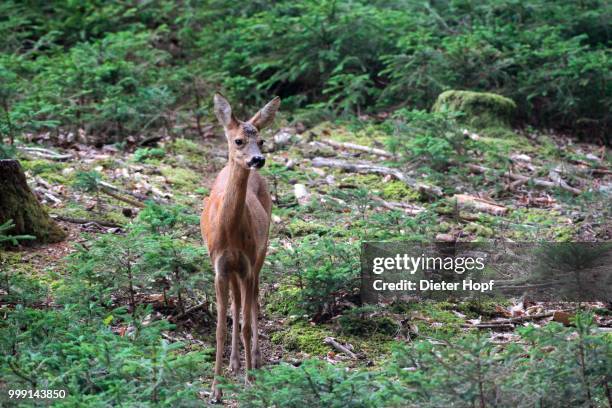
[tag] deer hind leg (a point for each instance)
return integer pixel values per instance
(247, 309)
(255, 353)
(222, 291)
(236, 304)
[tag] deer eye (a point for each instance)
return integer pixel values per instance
(260, 143)
(239, 142)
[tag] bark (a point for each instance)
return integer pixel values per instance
(18, 203)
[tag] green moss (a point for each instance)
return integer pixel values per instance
(481, 307)
(49, 171)
(298, 227)
(283, 301)
(18, 203)
(146, 153)
(480, 109)
(354, 324)
(434, 319)
(185, 146)
(303, 337)
(181, 178)
(399, 191)
(479, 230)
(541, 223)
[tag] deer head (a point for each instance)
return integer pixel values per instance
(243, 139)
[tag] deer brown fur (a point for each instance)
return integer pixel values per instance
(235, 224)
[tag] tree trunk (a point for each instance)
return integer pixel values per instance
(18, 203)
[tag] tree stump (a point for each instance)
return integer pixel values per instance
(18, 203)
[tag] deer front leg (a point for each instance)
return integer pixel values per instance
(236, 304)
(222, 291)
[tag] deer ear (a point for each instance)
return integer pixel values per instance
(265, 116)
(223, 111)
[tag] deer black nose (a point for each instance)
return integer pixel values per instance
(257, 161)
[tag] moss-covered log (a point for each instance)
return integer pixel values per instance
(17, 202)
(481, 109)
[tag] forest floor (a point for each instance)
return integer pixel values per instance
(348, 207)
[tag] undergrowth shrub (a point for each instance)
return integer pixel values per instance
(436, 138)
(151, 258)
(466, 371)
(120, 69)
(324, 272)
(62, 349)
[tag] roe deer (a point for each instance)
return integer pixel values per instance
(235, 224)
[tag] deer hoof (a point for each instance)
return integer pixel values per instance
(235, 365)
(216, 396)
(257, 361)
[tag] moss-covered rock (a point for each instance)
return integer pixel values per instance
(481, 109)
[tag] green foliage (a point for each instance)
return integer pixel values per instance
(151, 258)
(142, 154)
(87, 181)
(314, 383)
(5, 228)
(324, 272)
(436, 137)
(58, 349)
(470, 370)
(362, 322)
(91, 345)
(6, 151)
(118, 70)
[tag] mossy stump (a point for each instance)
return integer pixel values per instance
(481, 109)
(18, 203)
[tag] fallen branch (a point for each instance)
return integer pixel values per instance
(365, 168)
(330, 341)
(521, 319)
(45, 153)
(508, 326)
(353, 146)
(480, 204)
(407, 208)
(86, 221)
(116, 196)
(524, 179)
(48, 195)
(202, 306)
(510, 322)
(140, 197)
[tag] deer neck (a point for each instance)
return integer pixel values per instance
(234, 199)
